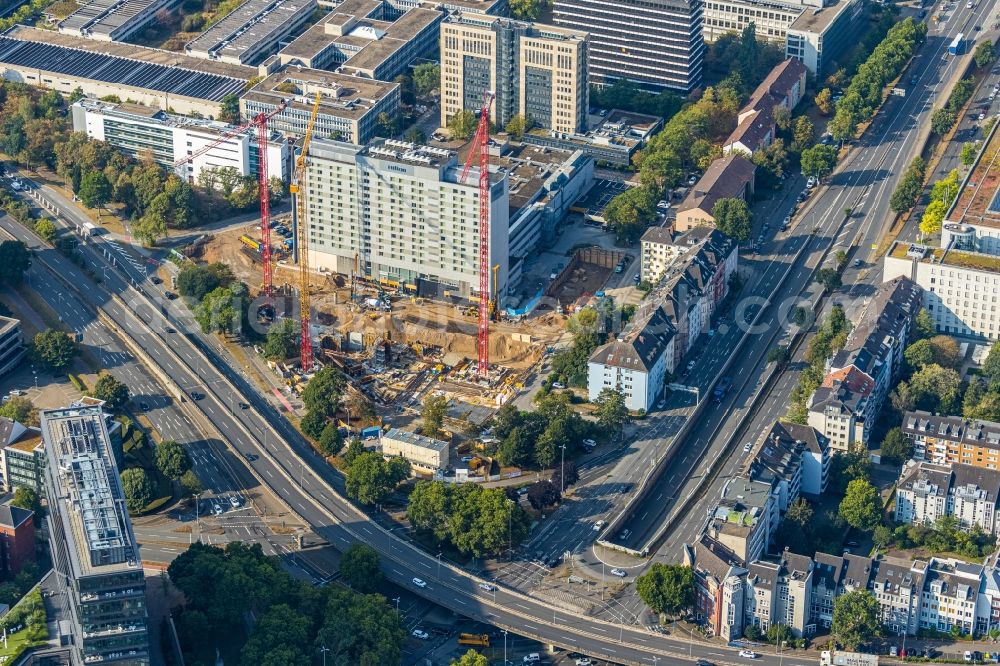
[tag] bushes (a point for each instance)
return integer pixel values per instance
(909, 187)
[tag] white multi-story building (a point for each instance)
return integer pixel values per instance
(862, 373)
(771, 18)
(926, 491)
(397, 213)
(742, 520)
(424, 452)
(780, 593)
(252, 31)
(818, 37)
(114, 20)
(658, 253)
(142, 130)
(960, 288)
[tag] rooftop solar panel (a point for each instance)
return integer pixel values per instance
(116, 70)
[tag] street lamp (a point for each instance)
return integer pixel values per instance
(397, 604)
(439, 563)
(504, 646)
(562, 471)
(324, 649)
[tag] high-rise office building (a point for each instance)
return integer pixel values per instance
(94, 550)
(655, 43)
(535, 70)
(398, 213)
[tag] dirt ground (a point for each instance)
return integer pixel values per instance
(585, 279)
(517, 345)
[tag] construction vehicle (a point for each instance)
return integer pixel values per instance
(305, 313)
(482, 640)
(481, 144)
(259, 122)
(251, 243)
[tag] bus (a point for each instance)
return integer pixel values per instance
(957, 46)
(483, 640)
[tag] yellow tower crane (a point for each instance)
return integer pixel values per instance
(302, 240)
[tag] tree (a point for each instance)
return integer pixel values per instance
(330, 439)
(985, 54)
(935, 388)
(463, 124)
(932, 218)
(861, 507)
(779, 355)
(360, 567)
(54, 349)
(824, 101)
(20, 409)
(190, 484)
(313, 423)
(415, 135)
(15, 258)
(46, 229)
(426, 77)
(896, 446)
(229, 109)
(772, 161)
(819, 160)
(278, 638)
(370, 478)
(474, 520)
(149, 228)
(829, 278)
(138, 489)
(432, 415)
(783, 118)
(991, 366)
(526, 10)
(855, 618)
(732, 217)
(923, 324)
(517, 126)
(172, 459)
(803, 134)
(27, 498)
(385, 124)
(969, 151)
(565, 475)
(946, 189)
(113, 392)
(611, 412)
(195, 281)
(282, 340)
(324, 391)
(95, 190)
(666, 588)
(542, 494)
(471, 658)
(220, 311)
(942, 120)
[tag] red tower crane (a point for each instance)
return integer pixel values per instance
(259, 122)
(481, 144)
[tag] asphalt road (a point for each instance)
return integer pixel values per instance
(313, 490)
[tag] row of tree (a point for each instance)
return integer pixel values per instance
(223, 588)
(943, 119)
(943, 194)
(864, 94)
(536, 438)
(905, 196)
(473, 520)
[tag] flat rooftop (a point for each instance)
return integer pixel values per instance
(132, 52)
(246, 27)
(341, 96)
(817, 20)
(978, 202)
(126, 110)
(527, 178)
(957, 258)
(92, 504)
(87, 59)
(365, 42)
(413, 438)
(102, 17)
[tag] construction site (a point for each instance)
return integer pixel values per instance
(396, 346)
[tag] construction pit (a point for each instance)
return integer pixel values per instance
(396, 356)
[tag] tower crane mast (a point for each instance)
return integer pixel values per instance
(480, 145)
(302, 241)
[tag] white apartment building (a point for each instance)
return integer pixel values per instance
(425, 452)
(960, 289)
(658, 253)
(142, 130)
(926, 491)
(780, 593)
(399, 212)
(950, 596)
(742, 520)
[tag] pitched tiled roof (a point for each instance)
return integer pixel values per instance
(725, 178)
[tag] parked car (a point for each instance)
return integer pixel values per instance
(584, 661)
(217, 509)
(531, 658)
(893, 651)
(618, 572)
(419, 582)
(420, 633)
(558, 385)
(599, 525)
(235, 501)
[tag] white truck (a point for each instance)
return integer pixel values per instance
(840, 658)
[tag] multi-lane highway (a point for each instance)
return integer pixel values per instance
(312, 489)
